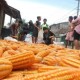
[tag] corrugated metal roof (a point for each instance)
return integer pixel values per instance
(10, 10)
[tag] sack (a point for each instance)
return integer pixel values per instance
(28, 38)
(40, 35)
(10, 38)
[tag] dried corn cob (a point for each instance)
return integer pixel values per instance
(5, 68)
(15, 78)
(36, 66)
(21, 61)
(47, 68)
(50, 60)
(35, 50)
(62, 74)
(43, 53)
(6, 54)
(71, 62)
(38, 59)
(1, 51)
(41, 75)
(19, 75)
(61, 63)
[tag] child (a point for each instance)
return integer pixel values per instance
(48, 36)
(69, 37)
(36, 29)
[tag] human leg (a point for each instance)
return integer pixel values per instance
(76, 44)
(72, 44)
(36, 39)
(35, 36)
(51, 40)
(76, 40)
(67, 42)
(33, 39)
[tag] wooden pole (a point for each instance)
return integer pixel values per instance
(10, 20)
(78, 7)
(2, 17)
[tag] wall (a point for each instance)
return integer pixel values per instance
(60, 28)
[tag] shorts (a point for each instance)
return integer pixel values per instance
(76, 35)
(35, 33)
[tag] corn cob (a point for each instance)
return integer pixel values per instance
(10, 53)
(47, 68)
(61, 63)
(53, 53)
(13, 52)
(35, 50)
(6, 54)
(67, 77)
(19, 74)
(43, 53)
(72, 62)
(75, 56)
(14, 46)
(1, 51)
(21, 61)
(38, 59)
(5, 68)
(15, 78)
(62, 74)
(41, 75)
(49, 60)
(36, 66)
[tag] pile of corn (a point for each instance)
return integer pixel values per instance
(23, 61)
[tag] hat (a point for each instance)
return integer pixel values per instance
(45, 28)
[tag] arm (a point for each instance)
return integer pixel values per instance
(52, 35)
(36, 26)
(12, 29)
(47, 26)
(74, 23)
(42, 26)
(44, 37)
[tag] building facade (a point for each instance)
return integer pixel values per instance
(60, 28)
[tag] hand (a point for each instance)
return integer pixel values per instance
(51, 37)
(38, 29)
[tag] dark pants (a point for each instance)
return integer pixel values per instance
(76, 36)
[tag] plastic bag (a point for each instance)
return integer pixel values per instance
(40, 36)
(28, 38)
(10, 38)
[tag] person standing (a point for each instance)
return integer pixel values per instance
(14, 28)
(24, 31)
(69, 37)
(76, 34)
(37, 27)
(31, 27)
(44, 23)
